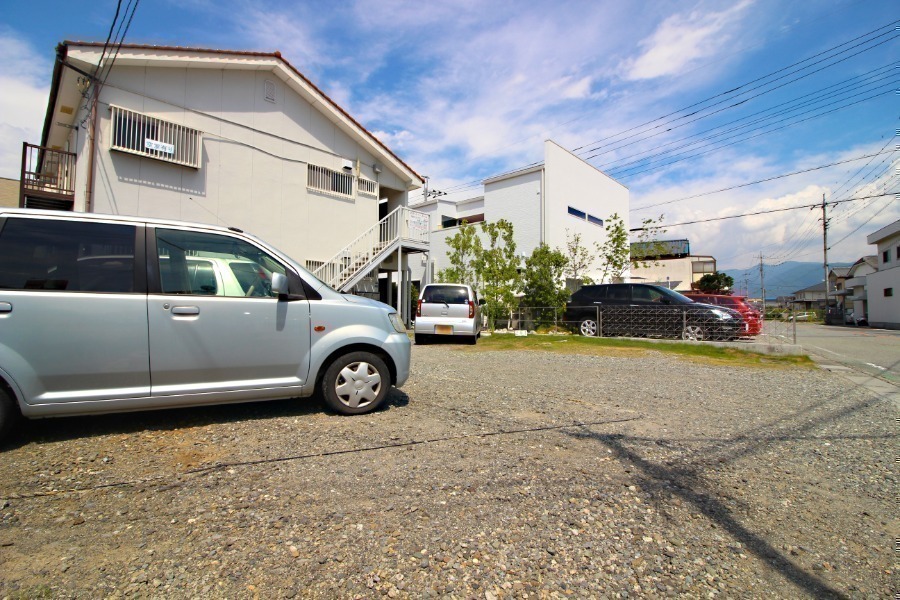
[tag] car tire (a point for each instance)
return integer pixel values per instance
(421, 339)
(9, 414)
(472, 340)
(694, 333)
(356, 383)
(588, 328)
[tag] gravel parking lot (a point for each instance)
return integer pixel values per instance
(490, 475)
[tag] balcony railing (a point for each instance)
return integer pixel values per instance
(47, 174)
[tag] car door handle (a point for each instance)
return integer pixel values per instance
(185, 310)
(5, 307)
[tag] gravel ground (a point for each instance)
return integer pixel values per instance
(489, 475)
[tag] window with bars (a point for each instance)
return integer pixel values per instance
(141, 134)
(367, 187)
(322, 179)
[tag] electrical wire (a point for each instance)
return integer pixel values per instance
(734, 187)
(817, 98)
(890, 25)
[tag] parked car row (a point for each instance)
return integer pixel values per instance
(637, 309)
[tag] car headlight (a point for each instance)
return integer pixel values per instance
(721, 314)
(396, 322)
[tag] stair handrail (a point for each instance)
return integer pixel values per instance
(402, 222)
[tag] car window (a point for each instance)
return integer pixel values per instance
(646, 295)
(445, 294)
(618, 293)
(60, 255)
(589, 294)
(189, 260)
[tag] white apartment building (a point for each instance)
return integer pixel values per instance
(241, 139)
(883, 286)
(561, 196)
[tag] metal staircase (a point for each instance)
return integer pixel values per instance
(402, 228)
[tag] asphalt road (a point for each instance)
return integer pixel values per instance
(872, 351)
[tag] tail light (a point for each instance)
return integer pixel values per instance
(471, 309)
(419, 308)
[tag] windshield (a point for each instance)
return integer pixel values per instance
(675, 296)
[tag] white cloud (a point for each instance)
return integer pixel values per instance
(681, 41)
(23, 102)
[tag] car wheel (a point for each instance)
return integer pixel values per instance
(9, 414)
(588, 327)
(421, 339)
(356, 383)
(472, 340)
(694, 333)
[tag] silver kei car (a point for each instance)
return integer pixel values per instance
(448, 310)
(102, 313)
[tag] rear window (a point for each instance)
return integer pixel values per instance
(445, 294)
(61, 255)
(589, 294)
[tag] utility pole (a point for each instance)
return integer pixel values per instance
(825, 252)
(762, 285)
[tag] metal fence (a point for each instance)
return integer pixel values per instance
(668, 322)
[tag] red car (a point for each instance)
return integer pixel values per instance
(752, 322)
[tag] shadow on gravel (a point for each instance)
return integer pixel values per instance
(43, 431)
(686, 485)
(687, 482)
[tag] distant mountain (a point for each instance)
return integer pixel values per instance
(781, 280)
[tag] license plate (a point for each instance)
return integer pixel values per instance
(443, 329)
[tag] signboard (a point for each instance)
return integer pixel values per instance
(159, 146)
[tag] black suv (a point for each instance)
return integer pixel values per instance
(639, 309)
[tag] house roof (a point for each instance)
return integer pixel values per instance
(839, 271)
(871, 261)
(510, 174)
(79, 55)
(818, 287)
(884, 232)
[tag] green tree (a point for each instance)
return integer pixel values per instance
(614, 253)
(716, 283)
(544, 271)
(578, 259)
(465, 250)
(497, 269)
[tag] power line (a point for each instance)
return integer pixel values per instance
(818, 98)
(734, 187)
(761, 212)
(712, 148)
(758, 79)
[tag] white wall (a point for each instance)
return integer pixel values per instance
(572, 182)
(517, 200)
(884, 311)
(253, 166)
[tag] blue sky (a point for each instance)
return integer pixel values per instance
(467, 89)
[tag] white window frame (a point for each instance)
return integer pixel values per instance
(136, 133)
(328, 181)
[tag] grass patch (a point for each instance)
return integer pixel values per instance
(577, 344)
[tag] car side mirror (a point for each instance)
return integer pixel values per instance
(280, 284)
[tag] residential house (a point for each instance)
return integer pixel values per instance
(883, 286)
(545, 203)
(669, 263)
(242, 139)
(837, 276)
(810, 298)
(856, 298)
